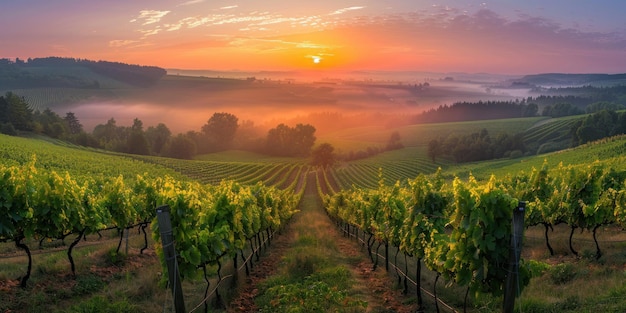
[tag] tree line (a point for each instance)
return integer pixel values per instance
(477, 146)
(480, 146)
(222, 131)
(557, 102)
(481, 110)
(602, 124)
(15, 74)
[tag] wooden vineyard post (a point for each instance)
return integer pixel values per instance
(512, 284)
(169, 251)
(386, 256)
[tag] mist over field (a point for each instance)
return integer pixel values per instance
(185, 103)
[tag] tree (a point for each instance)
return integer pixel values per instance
(136, 142)
(394, 142)
(323, 155)
(531, 110)
(286, 141)
(106, 133)
(50, 124)
(304, 139)
(278, 140)
(17, 112)
(220, 130)
(181, 147)
(157, 137)
(434, 149)
(73, 123)
(4, 111)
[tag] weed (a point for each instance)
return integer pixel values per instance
(302, 266)
(309, 296)
(537, 268)
(562, 273)
(87, 285)
(112, 257)
(99, 304)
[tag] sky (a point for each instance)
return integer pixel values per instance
(500, 36)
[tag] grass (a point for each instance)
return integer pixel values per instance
(313, 276)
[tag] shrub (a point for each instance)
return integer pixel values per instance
(562, 273)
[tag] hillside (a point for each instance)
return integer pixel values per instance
(52, 81)
(396, 165)
(284, 173)
(567, 80)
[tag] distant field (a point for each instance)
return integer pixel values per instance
(52, 98)
(79, 72)
(420, 134)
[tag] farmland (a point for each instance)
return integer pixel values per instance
(64, 203)
(286, 173)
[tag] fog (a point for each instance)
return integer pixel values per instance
(186, 103)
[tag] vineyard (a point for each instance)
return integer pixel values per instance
(454, 221)
(461, 230)
(52, 192)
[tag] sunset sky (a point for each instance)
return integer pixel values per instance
(503, 36)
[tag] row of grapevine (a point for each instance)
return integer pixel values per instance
(361, 173)
(357, 175)
(557, 129)
(37, 203)
(211, 172)
(211, 222)
(79, 162)
(585, 197)
(460, 230)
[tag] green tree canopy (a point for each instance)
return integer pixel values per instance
(73, 123)
(157, 137)
(287, 141)
(220, 131)
(323, 155)
(181, 147)
(16, 111)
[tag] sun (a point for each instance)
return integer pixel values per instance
(316, 59)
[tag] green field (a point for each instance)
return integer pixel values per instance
(398, 165)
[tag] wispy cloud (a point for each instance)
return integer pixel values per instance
(150, 16)
(229, 7)
(272, 45)
(344, 10)
(121, 43)
(190, 2)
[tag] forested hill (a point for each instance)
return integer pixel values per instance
(557, 79)
(59, 72)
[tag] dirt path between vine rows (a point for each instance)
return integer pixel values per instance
(375, 287)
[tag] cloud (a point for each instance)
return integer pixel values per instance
(150, 16)
(344, 10)
(121, 43)
(191, 2)
(229, 7)
(278, 44)
(149, 32)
